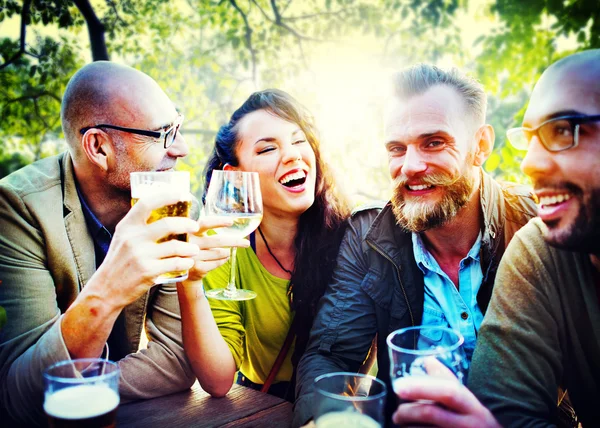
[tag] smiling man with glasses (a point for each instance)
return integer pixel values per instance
(543, 326)
(78, 263)
(539, 344)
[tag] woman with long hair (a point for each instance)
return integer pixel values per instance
(290, 259)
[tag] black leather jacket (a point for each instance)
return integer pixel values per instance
(377, 287)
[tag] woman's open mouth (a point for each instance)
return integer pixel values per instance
(294, 180)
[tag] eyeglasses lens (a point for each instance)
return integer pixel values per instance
(519, 138)
(172, 134)
(558, 135)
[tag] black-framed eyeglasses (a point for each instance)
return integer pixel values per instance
(167, 135)
(560, 133)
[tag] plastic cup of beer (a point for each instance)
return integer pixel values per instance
(82, 393)
(349, 400)
(146, 184)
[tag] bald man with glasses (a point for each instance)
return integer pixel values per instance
(539, 344)
(78, 263)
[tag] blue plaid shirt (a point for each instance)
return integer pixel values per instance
(444, 304)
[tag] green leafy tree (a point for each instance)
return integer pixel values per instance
(210, 54)
(530, 37)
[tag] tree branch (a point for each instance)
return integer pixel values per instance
(24, 22)
(113, 6)
(279, 22)
(304, 61)
(285, 6)
(96, 30)
(39, 114)
(262, 11)
(316, 15)
(248, 38)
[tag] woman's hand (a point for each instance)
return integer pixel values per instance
(451, 403)
(214, 249)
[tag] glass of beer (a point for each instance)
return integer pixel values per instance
(349, 400)
(82, 393)
(145, 184)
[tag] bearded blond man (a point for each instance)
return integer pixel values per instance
(429, 256)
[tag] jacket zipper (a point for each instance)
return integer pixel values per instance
(412, 320)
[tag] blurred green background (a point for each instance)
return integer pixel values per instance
(333, 55)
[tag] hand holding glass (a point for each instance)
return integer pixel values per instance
(144, 184)
(349, 400)
(411, 348)
(234, 194)
(82, 393)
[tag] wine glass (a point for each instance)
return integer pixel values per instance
(412, 349)
(234, 194)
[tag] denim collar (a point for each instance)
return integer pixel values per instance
(425, 260)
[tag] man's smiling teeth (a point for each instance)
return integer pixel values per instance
(419, 187)
(295, 176)
(556, 199)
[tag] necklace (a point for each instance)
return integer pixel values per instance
(271, 253)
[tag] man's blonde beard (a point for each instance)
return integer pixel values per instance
(417, 216)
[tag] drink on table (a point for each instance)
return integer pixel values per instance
(82, 406)
(349, 400)
(145, 184)
(82, 393)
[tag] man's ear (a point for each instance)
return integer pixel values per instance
(484, 145)
(96, 146)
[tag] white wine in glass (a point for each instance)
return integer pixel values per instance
(234, 194)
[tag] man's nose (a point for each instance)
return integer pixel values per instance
(538, 159)
(179, 148)
(414, 163)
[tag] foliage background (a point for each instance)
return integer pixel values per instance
(333, 55)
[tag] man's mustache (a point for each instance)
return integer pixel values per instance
(435, 179)
(545, 184)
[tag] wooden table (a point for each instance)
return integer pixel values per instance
(242, 407)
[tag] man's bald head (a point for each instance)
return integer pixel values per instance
(589, 59)
(581, 68)
(103, 92)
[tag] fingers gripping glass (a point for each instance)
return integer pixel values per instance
(166, 135)
(560, 133)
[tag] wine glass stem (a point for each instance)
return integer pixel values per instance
(230, 290)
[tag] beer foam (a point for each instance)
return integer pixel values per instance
(150, 188)
(82, 401)
(148, 183)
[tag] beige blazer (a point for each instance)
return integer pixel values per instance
(46, 258)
